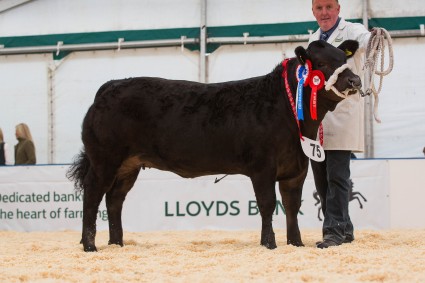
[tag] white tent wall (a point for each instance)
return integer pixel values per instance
(234, 62)
(61, 16)
(402, 103)
(237, 12)
(104, 15)
(394, 8)
(26, 83)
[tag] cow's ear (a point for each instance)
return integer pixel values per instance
(349, 47)
(302, 55)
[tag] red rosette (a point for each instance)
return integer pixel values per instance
(316, 82)
(317, 79)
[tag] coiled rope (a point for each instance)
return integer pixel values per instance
(379, 40)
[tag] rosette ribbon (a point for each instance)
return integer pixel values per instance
(303, 74)
(316, 82)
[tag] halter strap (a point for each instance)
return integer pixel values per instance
(329, 85)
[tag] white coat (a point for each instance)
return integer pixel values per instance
(343, 129)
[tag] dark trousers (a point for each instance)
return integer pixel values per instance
(332, 180)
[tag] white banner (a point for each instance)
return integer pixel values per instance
(41, 198)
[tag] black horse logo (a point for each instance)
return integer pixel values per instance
(353, 196)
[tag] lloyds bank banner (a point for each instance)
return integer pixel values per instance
(41, 198)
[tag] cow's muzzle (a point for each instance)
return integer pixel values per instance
(356, 84)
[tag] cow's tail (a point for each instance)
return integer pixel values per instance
(78, 170)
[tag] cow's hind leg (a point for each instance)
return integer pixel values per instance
(114, 202)
(264, 188)
(291, 199)
(93, 194)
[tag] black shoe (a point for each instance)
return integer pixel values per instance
(348, 239)
(326, 244)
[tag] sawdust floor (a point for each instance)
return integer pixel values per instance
(211, 256)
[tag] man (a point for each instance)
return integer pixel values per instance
(343, 129)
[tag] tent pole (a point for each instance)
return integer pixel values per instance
(203, 43)
(368, 106)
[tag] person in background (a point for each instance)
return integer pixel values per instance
(343, 129)
(24, 149)
(3, 150)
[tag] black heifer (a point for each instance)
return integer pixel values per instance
(192, 129)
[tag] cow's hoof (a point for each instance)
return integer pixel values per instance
(270, 246)
(90, 248)
(269, 241)
(297, 243)
(120, 243)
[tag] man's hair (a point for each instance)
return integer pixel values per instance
(312, 1)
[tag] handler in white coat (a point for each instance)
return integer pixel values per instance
(343, 129)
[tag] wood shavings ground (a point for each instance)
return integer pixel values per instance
(211, 256)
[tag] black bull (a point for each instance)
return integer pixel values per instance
(192, 129)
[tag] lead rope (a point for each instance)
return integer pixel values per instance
(379, 40)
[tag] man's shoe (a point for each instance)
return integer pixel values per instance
(348, 239)
(326, 244)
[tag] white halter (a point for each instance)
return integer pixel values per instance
(329, 85)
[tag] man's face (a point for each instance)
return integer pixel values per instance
(326, 13)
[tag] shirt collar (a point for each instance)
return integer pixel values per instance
(324, 35)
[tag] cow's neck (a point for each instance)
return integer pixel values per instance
(308, 126)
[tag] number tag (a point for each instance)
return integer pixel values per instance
(312, 149)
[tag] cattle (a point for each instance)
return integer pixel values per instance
(193, 129)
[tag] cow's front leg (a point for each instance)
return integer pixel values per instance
(291, 199)
(264, 188)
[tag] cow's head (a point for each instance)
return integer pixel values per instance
(331, 61)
